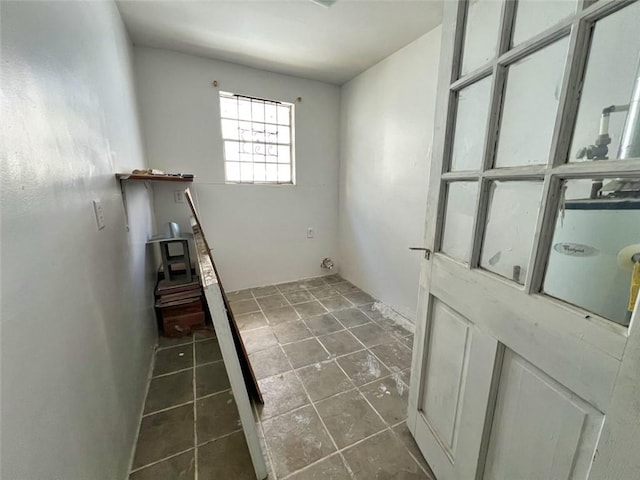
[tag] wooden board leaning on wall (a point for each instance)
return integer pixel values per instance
(210, 276)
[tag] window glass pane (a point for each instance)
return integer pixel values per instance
(612, 69)
(530, 105)
(535, 16)
(270, 113)
(257, 132)
(481, 34)
(457, 236)
(284, 154)
(246, 172)
(284, 173)
(244, 109)
(283, 116)
(511, 223)
(272, 133)
(244, 131)
(228, 107)
(230, 129)
(283, 135)
(591, 258)
(257, 111)
(233, 171)
(471, 126)
(232, 151)
(272, 172)
(259, 172)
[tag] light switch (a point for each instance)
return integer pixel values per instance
(97, 210)
(178, 196)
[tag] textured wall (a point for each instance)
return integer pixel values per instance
(77, 323)
(386, 129)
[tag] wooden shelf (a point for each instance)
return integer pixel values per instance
(155, 178)
(125, 177)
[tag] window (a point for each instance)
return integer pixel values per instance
(258, 139)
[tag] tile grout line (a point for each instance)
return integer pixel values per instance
(354, 387)
(266, 444)
(195, 413)
(393, 374)
(173, 455)
(258, 419)
(359, 389)
(162, 410)
(391, 369)
(315, 409)
(171, 373)
(219, 437)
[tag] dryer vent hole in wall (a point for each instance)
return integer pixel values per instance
(326, 264)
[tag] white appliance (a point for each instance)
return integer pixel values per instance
(583, 264)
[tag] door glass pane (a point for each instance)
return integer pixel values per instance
(481, 34)
(612, 70)
(511, 223)
(530, 105)
(458, 225)
(471, 126)
(535, 16)
(597, 234)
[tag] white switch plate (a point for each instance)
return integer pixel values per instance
(97, 210)
(309, 232)
(178, 196)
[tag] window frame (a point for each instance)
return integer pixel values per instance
(291, 145)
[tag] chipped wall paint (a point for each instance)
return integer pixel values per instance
(76, 317)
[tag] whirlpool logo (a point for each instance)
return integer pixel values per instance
(576, 249)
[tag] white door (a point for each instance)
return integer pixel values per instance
(527, 359)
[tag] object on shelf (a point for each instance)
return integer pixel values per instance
(145, 175)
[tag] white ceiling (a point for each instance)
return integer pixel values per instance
(294, 37)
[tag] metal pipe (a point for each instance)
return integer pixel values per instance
(630, 140)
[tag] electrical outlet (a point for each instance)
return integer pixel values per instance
(309, 232)
(178, 196)
(97, 210)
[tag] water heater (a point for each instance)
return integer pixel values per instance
(583, 264)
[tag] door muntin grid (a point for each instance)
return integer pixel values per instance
(577, 29)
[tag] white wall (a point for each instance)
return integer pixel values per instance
(77, 327)
(257, 232)
(386, 127)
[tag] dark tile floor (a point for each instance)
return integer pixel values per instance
(334, 374)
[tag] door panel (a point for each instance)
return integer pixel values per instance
(445, 371)
(456, 391)
(540, 429)
(533, 328)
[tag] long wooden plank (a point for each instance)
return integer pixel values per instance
(214, 294)
(245, 363)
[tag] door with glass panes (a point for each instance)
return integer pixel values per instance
(526, 361)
